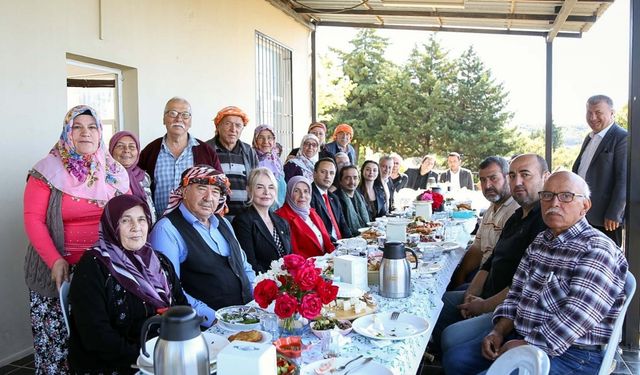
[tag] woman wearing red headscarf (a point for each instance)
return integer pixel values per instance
(117, 285)
(63, 200)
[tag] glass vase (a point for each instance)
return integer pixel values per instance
(293, 326)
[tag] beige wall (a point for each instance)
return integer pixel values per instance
(202, 50)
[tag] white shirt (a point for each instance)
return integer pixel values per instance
(590, 150)
(333, 230)
(315, 231)
(454, 180)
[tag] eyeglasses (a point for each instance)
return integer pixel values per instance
(310, 144)
(564, 196)
(174, 114)
(231, 124)
(265, 139)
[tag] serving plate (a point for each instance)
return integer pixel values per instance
(346, 290)
(380, 326)
(227, 321)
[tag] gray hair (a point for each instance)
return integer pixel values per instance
(177, 99)
(599, 99)
(580, 183)
(497, 160)
(341, 154)
(252, 180)
(385, 158)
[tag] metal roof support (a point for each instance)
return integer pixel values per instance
(314, 90)
(548, 133)
(631, 334)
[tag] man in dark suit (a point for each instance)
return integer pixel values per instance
(458, 177)
(602, 162)
(327, 204)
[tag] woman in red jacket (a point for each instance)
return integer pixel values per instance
(308, 234)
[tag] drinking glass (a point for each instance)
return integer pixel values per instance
(270, 324)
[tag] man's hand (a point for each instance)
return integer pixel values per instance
(60, 272)
(510, 345)
(491, 345)
(610, 225)
(472, 306)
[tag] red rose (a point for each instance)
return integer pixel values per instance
(307, 277)
(438, 199)
(265, 292)
(286, 306)
(326, 291)
(310, 306)
(293, 261)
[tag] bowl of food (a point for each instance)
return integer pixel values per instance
(323, 325)
(290, 347)
(239, 318)
(286, 366)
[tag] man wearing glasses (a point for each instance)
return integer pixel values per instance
(237, 158)
(467, 315)
(165, 158)
(566, 293)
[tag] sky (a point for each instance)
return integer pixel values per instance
(597, 63)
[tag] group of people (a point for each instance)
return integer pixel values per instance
(187, 222)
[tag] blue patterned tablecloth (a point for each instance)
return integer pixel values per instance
(401, 356)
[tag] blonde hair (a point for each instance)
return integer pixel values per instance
(253, 180)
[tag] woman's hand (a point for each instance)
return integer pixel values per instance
(60, 272)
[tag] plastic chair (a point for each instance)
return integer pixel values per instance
(527, 359)
(616, 335)
(64, 303)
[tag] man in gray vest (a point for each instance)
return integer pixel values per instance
(201, 245)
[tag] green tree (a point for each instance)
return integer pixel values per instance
(622, 116)
(366, 69)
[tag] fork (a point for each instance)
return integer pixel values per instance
(341, 368)
(395, 315)
(366, 360)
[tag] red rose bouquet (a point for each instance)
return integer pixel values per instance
(295, 284)
(432, 196)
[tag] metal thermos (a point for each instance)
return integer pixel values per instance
(395, 271)
(181, 349)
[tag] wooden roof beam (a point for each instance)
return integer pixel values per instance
(561, 18)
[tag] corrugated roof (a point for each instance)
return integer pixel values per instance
(550, 18)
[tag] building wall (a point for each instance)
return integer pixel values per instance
(202, 50)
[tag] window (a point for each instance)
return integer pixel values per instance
(274, 89)
(98, 87)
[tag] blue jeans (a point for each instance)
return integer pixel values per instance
(449, 315)
(466, 330)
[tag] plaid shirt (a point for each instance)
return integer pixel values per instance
(168, 171)
(567, 290)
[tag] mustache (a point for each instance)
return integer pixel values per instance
(178, 124)
(553, 210)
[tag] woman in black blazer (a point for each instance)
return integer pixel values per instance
(263, 235)
(371, 188)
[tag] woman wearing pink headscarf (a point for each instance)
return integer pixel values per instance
(63, 201)
(124, 146)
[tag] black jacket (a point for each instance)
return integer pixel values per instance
(317, 203)
(256, 240)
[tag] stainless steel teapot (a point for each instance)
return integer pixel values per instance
(395, 271)
(181, 349)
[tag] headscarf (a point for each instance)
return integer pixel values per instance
(268, 160)
(343, 128)
(136, 174)
(301, 211)
(302, 161)
(231, 111)
(96, 177)
(139, 272)
(201, 174)
(317, 125)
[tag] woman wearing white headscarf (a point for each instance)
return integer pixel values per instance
(302, 165)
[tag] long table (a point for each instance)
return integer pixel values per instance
(400, 356)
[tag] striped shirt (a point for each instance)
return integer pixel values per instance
(233, 166)
(567, 290)
(168, 171)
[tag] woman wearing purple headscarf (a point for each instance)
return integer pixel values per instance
(309, 237)
(264, 143)
(116, 286)
(124, 146)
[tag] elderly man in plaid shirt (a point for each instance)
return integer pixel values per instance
(565, 295)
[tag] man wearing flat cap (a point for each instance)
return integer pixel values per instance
(236, 157)
(342, 136)
(201, 245)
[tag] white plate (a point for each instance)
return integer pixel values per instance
(371, 368)
(430, 247)
(448, 246)
(430, 267)
(346, 290)
(266, 337)
(380, 326)
(236, 326)
(214, 342)
(144, 371)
